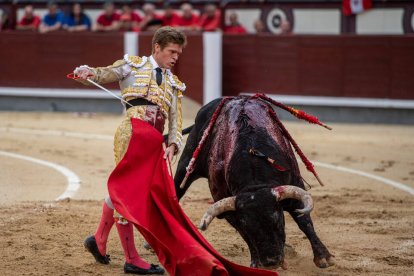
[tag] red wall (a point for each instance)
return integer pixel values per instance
(37, 60)
(351, 66)
(345, 66)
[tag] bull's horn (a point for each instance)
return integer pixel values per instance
(221, 206)
(287, 191)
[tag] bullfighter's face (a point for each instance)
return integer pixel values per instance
(168, 56)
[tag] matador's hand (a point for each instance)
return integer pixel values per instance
(169, 152)
(83, 72)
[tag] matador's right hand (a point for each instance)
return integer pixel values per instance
(83, 72)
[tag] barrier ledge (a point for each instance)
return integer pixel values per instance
(340, 101)
(56, 93)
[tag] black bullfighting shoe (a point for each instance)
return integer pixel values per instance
(133, 269)
(92, 247)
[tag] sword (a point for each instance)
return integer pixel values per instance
(74, 77)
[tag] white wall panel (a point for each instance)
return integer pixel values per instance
(380, 21)
(317, 21)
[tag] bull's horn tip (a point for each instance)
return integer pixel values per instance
(203, 226)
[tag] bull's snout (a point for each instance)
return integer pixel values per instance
(275, 262)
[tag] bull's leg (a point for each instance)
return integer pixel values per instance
(322, 258)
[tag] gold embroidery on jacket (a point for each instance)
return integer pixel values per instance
(167, 96)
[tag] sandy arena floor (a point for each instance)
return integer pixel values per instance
(367, 224)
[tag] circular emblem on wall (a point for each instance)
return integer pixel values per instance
(274, 20)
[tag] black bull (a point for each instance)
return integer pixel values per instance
(249, 182)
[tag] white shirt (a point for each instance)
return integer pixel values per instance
(155, 66)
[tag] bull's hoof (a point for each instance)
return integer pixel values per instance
(331, 261)
(285, 265)
(324, 262)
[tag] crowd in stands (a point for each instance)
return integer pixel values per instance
(126, 19)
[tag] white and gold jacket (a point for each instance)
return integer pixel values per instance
(136, 80)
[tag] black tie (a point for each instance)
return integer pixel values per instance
(159, 75)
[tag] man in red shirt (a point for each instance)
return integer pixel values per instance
(129, 19)
(29, 22)
(210, 20)
(151, 20)
(235, 27)
(170, 18)
(188, 20)
(109, 20)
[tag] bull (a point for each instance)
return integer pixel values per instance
(253, 177)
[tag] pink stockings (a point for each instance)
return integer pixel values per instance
(104, 227)
(125, 232)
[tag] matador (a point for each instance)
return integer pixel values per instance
(152, 94)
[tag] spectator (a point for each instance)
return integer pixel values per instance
(210, 20)
(129, 19)
(151, 20)
(259, 26)
(53, 20)
(5, 22)
(30, 21)
(153, 25)
(235, 27)
(77, 20)
(170, 18)
(108, 21)
(188, 21)
(285, 27)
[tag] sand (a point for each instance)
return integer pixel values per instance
(366, 224)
